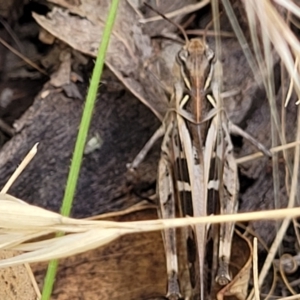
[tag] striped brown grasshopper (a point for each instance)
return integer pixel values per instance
(196, 135)
(197, 173)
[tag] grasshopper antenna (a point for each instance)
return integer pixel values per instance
(214, 20)
(180, 28)
(206, 29)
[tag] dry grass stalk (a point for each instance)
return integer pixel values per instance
(20, 169)
(21, 222)
(4, 190)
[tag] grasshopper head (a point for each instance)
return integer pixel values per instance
(195, 60)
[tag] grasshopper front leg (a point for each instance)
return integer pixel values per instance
(142, 154)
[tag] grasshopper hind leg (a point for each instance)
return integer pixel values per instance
(167, 210)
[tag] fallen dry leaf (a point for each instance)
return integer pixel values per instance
(80, 25)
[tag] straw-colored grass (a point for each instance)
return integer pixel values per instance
(21, 222)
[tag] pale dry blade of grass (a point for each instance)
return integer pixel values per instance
(290, 6)
(255, 269)
(275, 121)
(291, 85)
(9, 240)
(266, 63)
(291, 203)
(283, 275)
(134, 208)
(218, 69)
(23, 57)
(281, 36)
(80, 225)
(294, 297)
(257, 155)
(240, 36)
(16, 214)
(66, 245)
(14, 238)
(33, 281)
(13, 209)
(86, 235)
(274, 26)
(20, 169)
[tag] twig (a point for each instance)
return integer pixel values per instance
(20, 169)
(27, 60)
(6, 128)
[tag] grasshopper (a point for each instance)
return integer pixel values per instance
(203, 137)
(197, 172)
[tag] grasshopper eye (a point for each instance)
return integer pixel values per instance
(183, 55)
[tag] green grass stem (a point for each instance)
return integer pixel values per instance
(81, 139)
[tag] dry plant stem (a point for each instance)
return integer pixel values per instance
(286, 221)
(28, 61)
(266, 70)
(182, 11)
(296, 228)
(96, 236)
(284, 278)
(12, 34)
(285, 44)
(20, 169)
(291, 86)
(6, 128)
(249, 231)
(18, 218)
(218, 65)
(271, 291)
(4, 190)
(294, 297)
(33, 281)
(275, 121)
(268, 81)
(134, 7)
(137, 207)
(252, 21)
(240, 36)
(41, 220)
(289, 5)
(255, 270)
(265, 64)
(256, 155)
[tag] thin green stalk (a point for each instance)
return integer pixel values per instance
(81, 139)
